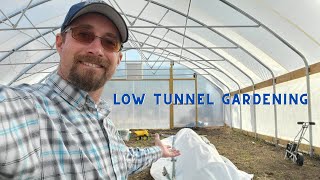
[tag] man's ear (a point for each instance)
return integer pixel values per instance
(59, 42)
(120, 58)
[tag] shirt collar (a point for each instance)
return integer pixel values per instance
(75, 96)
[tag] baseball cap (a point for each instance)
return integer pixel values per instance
(96, 6)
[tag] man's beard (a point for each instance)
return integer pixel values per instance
(88, 79)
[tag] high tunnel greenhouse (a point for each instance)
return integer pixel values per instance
(252, 65)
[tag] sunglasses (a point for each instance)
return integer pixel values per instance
(84, 35)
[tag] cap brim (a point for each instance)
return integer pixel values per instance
(109, 12)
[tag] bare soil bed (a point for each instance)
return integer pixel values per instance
(251, 155)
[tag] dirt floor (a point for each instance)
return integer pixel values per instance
(253, 156)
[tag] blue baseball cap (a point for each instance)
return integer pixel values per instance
(94, 6)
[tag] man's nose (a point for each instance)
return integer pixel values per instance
(95, 47)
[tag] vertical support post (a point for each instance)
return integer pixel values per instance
(171, 93)
(276, 140)
(196, 94)
(254, 113)
(309, 111)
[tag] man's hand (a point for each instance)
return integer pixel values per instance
(167, 151)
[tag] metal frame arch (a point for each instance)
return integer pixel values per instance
(24, 44)
(23, 10)
(193, 62)
(219, 81)
(194, 71)
(40, 71)
(253, 85)
(213, 51)
(246, 51)
(213, 30)
(220, 56)
(192, 54)
(307, 67)
(30, 67)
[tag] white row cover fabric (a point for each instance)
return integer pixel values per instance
(198, 160)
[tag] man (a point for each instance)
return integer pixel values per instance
(60, 129)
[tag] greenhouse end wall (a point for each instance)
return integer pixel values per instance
(151, 115)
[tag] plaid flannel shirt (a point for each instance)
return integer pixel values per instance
(55, 131)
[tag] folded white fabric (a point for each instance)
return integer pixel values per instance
(199, 160)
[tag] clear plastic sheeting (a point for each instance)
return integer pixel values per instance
(198, 160)
(210, 114)
(155, 116)
(128, 116)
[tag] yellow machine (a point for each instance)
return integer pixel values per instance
(142, 134)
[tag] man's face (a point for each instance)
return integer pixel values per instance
(88, 65)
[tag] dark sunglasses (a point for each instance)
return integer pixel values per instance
(84, 35)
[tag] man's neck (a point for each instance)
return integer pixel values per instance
(95, 95)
